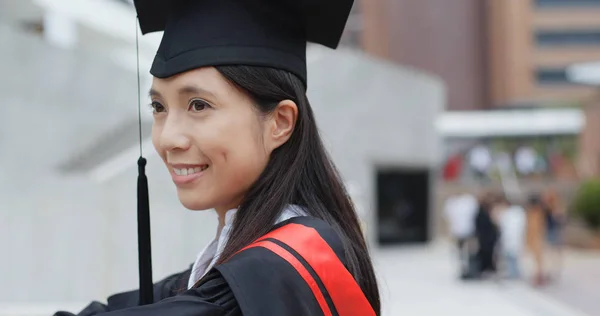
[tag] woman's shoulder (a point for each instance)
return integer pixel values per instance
(296, 237)
(295, 269)
(306, 234)
(315, 232)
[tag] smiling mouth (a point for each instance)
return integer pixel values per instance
(189, 171)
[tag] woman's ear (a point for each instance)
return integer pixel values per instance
(281, 124)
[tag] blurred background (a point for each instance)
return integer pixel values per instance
(470, 143)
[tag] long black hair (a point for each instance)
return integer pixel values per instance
(298, 172)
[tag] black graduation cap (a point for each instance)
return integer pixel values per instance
(270, 33)
(199, 33)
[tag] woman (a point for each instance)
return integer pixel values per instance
(555, 221)
(536, 230)
(233, 125)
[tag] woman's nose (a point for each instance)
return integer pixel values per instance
(173, 136)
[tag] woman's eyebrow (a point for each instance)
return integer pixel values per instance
(184, 90)
(195, 90)
(153, 93)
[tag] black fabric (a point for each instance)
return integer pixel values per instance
(270, 33)
(551, 221)
(255, 282)
(487, 236)
(265, 284)
(144, 244)
(214, 298)
(284, 292)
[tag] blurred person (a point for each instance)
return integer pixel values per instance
(235, 129)
(525, 160)
(512, 223)
(480, 160)
(453, 167)
(460, 211)
(558, 164)
(536, 232)
(555, 220)
(487, 234)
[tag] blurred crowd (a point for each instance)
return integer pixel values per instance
(493, 235)
(521, 159)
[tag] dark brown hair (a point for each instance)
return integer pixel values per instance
(299, 172)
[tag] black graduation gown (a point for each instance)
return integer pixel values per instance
(296, 269)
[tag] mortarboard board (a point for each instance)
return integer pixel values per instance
(271, 33)
(201, 33)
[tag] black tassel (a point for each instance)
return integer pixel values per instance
(144, 244)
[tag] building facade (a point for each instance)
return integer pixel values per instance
(532, 42)
(490, 53)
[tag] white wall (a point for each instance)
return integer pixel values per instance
(373, 113)
(61, 233)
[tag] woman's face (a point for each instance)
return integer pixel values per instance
(211, 137)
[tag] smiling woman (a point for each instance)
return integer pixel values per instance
(210, 136)
(234, 127)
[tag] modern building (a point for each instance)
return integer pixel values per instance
(490, 53)
(533, 42)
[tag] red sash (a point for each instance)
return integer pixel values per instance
(347, 297)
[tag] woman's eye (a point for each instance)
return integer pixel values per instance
(157, 107)
(198, 105)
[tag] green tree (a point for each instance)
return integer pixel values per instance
(587, 203)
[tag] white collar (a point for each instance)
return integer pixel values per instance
(207, 258)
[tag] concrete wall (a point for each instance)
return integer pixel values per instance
(61, 232)
(382, 115)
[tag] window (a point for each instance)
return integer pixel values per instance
(403, 206)
(565, 38)
(552, 76)
(566, 3)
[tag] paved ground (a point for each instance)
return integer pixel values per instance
(421, 281)
(579, 283)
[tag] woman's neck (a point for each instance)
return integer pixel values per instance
(222, 218)
(223, 210)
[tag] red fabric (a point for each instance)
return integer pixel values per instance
(278, 250)
(347, 296)
(453, 168)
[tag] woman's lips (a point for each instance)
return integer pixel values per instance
(185, 174)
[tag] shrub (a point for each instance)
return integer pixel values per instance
(587, 203)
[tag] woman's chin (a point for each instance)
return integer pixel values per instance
(196, 206)
(193, 203)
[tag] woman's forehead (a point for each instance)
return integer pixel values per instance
(207, 83)
(204, 80)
